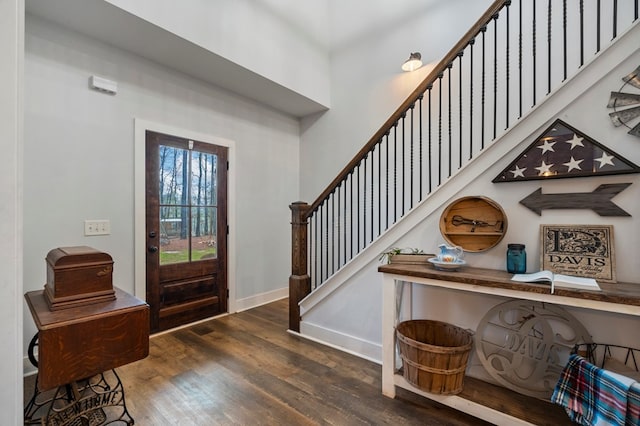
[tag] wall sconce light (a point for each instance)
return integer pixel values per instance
(413, 63)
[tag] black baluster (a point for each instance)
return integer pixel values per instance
(495, 76)
(508, 37)
(319, 245)
(520, 59)
(581, 32)
(549, 46)
(373, 150)
(387, 212)
(339, 228)
(352, 245)
(314, 244)
(395, 172)
(449, 115)
(483, 91)
(440, 128)
(615, 19)
(429, 87)
(460, 108)
(564, 39)
(364, 202)
(379, 199)
(533, 51)
(471, 72)
(358, 209)
(344, 237)
(326, 236)
(403, 170)
(333, 231)
(420, 143)
(598, 26)
(321, 248)
(411, 160)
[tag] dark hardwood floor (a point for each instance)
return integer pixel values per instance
(245, 369)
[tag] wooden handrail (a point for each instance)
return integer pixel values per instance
(490, 14)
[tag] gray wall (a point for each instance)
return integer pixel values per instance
(79, 157)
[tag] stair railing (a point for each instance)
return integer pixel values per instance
(510, 59)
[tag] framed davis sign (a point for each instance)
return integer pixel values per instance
(579, 250)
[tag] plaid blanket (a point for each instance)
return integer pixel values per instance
(594, 396)
(633, 405)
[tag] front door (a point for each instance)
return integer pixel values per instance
(186, 226)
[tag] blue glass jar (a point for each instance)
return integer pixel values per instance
(516, 259)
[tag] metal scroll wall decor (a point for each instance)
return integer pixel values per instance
(524, 345)
(626, 105)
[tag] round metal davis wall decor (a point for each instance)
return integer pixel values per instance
(524, 345)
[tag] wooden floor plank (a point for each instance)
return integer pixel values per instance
(246, 369)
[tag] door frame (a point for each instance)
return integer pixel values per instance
(139, 225)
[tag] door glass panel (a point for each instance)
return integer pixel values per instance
(188, 218)
(203, 179)
(173, 243)
(203, 233)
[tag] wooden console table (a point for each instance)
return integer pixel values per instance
(79, 343)
(492, 403)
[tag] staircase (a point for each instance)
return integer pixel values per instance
(513, 72)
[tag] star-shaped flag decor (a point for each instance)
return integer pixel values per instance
(561, 152)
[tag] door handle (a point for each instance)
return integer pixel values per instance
(152, 249)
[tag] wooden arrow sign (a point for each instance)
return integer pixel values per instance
(599, 200)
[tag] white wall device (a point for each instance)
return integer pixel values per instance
(103, 85)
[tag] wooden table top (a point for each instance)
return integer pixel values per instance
(619, 293)
(47, 319)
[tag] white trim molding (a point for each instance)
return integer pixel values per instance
(260, 299)
(11, 210)
(353, 345)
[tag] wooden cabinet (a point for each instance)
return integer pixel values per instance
(80, 342)
(483, 400)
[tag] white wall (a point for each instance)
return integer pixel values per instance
(371, 41)
(11, 303)
(282, 40)
(79, 156)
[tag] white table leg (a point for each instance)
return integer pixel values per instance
(388, 336)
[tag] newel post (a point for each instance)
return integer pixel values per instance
(299, 281)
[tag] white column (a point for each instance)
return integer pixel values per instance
(11, 300)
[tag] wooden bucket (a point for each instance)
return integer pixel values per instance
(434, 355)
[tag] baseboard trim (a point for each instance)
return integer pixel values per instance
(261, 299)
(343, 342)
(28, 369)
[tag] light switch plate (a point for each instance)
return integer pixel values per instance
(97, 227)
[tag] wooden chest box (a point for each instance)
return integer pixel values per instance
(78, 276)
